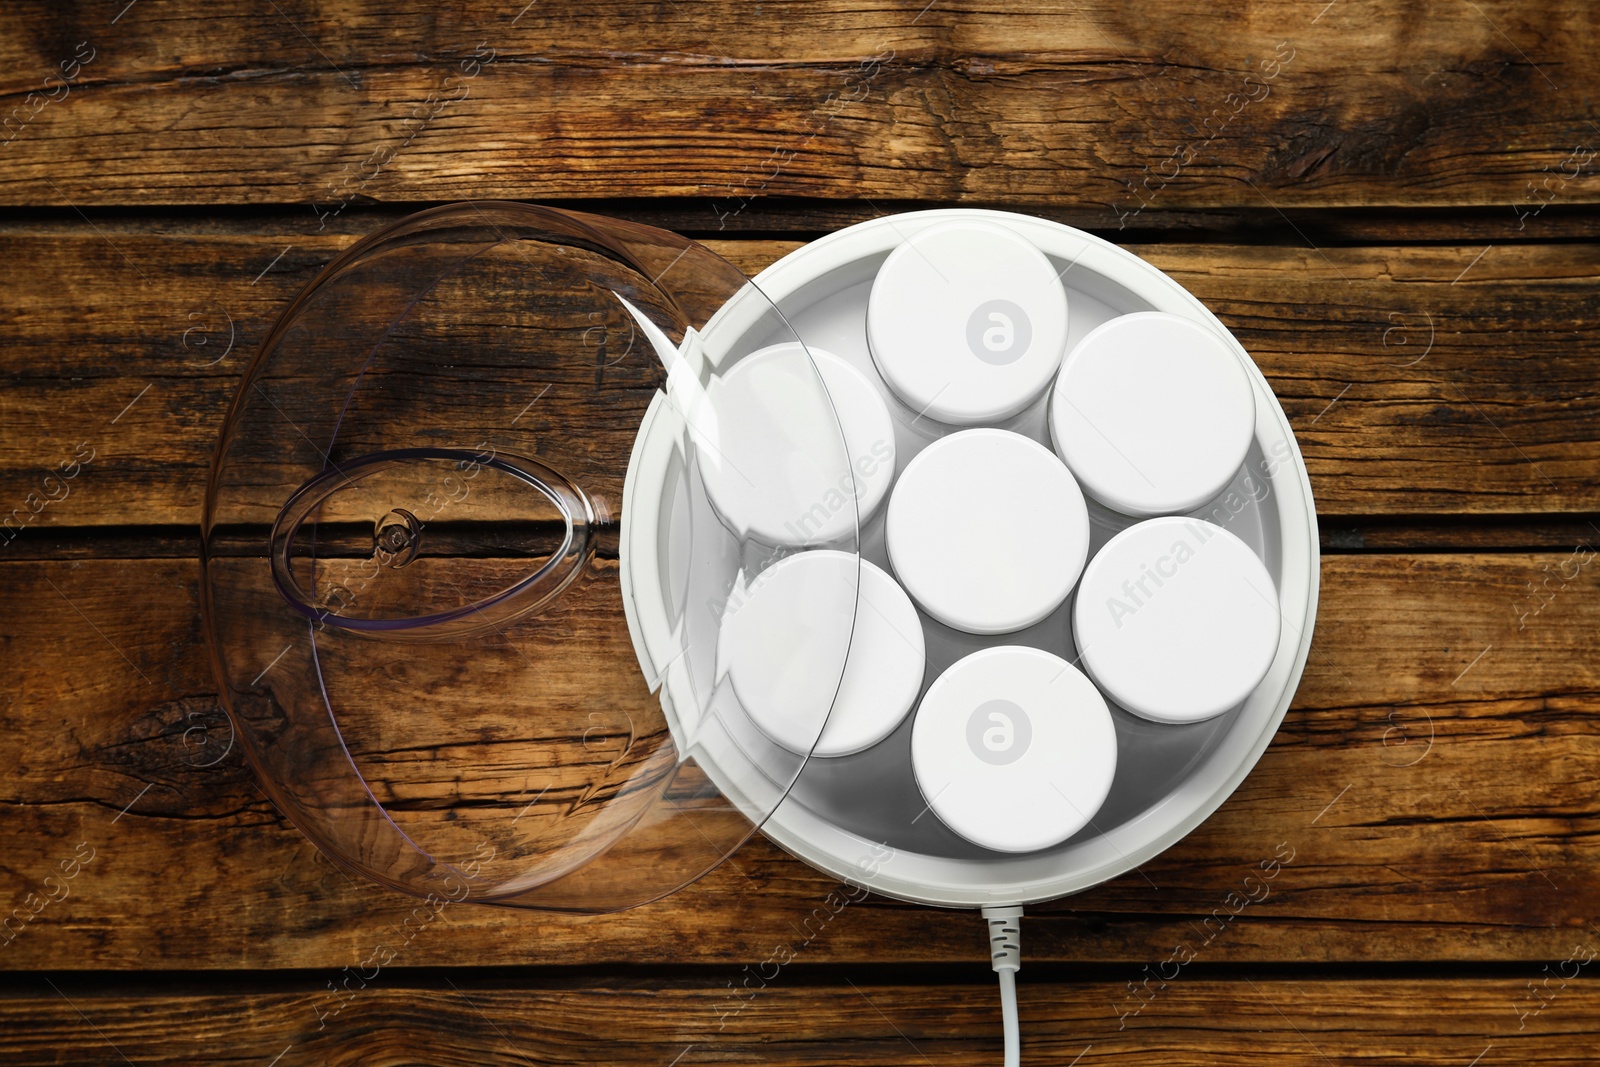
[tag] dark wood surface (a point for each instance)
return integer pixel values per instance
(1401, 223)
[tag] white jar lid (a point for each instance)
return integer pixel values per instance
(1176, 619)
(1014, 749)
(781, 675)
(967, 322)
(987, 531)
(778, 471)
(1153, 413)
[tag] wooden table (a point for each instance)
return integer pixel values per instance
(1394, 209)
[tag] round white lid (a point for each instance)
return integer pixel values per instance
(781, 673)
(1153, 413)
(967, 322)
(987, 531)
(1176, 619)
(777, 471)
(1014, 749)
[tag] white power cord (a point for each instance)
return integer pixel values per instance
(1005, 954)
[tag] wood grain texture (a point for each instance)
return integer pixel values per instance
(1195, 1019)
(1419, 380)
(1257, 105)
(1433, 784)
(1395, 209)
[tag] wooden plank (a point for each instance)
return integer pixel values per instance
(1196, 1018)
(1420, 380)
(1169, 109)
(1431, 791)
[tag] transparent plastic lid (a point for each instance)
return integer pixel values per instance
(412, 537)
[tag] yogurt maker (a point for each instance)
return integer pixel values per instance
(548, 557)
